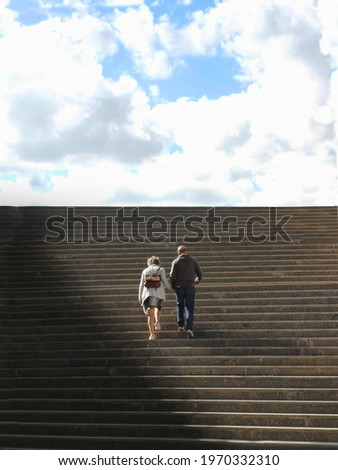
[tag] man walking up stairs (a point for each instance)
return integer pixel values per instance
(185, 273)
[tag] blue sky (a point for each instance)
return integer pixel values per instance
(187, 102)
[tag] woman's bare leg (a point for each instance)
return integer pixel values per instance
(151, 320)
(158, 312)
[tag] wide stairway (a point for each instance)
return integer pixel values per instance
(77, 370)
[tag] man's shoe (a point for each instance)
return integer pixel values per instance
(190, 334)
(180, 328)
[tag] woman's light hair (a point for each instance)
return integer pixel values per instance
(153, 260)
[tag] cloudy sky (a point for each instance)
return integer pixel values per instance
(158, 102)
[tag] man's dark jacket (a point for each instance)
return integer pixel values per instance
(184, 271)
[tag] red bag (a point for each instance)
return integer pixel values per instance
(153, 282)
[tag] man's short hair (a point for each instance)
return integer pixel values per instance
(182, 249)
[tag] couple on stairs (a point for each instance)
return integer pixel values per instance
(184, 274)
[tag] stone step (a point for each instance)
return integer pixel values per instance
(316, 236)
(281, 288)
(145, 394)
(173, 370)
(228, 261)
(315, 337)
(111, 340)
(130, 431)
(173, 418)
(230, 265)
(113, 283)
(277, 283)
(278, 289)
(213, 323)
(81, 310)
(305, 345)
(262, 381)
(35, 212)
(170, 234)
(214, 269)
(100, 226)
(222, 278)
(205, 247)
(103, 222)
(138, 252)
(165, 405)
(319, 299)
(135, 322)
(103, 228)
(185, 360)
(182, 350)
(71, 442)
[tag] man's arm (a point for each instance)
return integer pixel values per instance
(198, 271)
(173, 275)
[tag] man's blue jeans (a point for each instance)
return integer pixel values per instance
(185, 300)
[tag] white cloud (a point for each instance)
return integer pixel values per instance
(81, 7)
(112, 122)
(329, 28)
(55, 55)
(121, 3)
(184, 2)
(281, 182)
(137, 32)
(57, 107)
(260, 37)
(84, 5)
(154, 91)
(282, 124)
(8, 20)
(273, 143)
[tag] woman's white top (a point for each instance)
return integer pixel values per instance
(159, 292)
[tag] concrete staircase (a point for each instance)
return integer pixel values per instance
(77, 370)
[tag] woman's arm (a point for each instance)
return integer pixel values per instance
(140, 289)
(164, 279)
